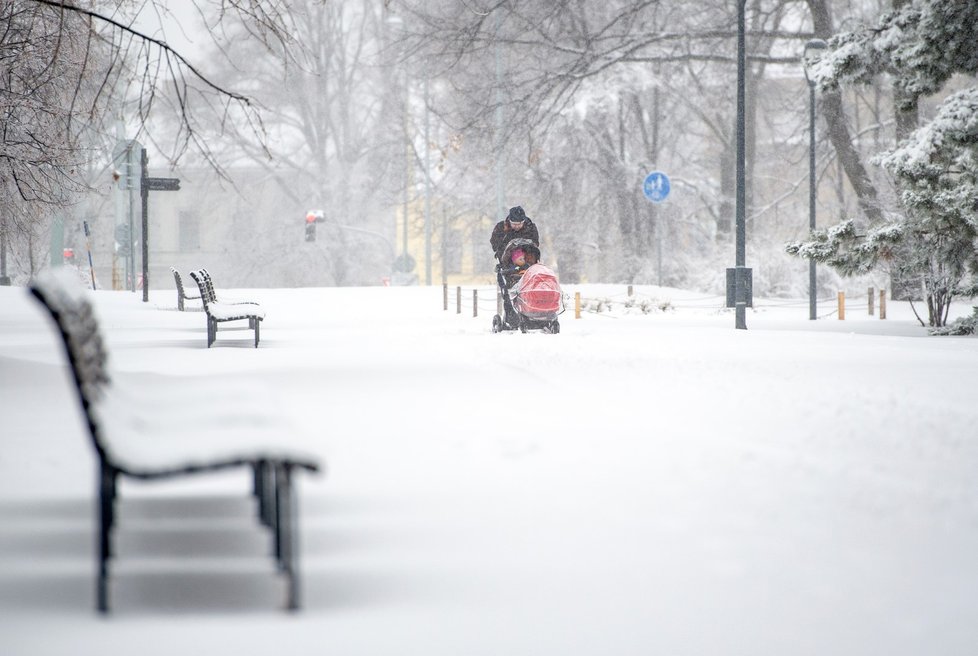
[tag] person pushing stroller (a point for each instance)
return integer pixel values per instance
(516, 225)
(516, 245)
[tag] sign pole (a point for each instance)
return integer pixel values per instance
(144, 195)
(88, 247)
(147, 184)
(656, 189)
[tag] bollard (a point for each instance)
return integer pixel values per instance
(842, 306)
(458, 300)
(871, 299)
(577, 305)
(475, 302)
(445, 294)
(629, 290)
(882, 304)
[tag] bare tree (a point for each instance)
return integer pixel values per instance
(637, 83)
(334, 133)
(65, 70)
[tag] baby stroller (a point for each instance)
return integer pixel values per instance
(531, 297)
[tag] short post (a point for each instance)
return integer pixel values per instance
(577, 305)
(882, 304)
(475, 302)
(458, 300)
(842, 306)
(629, 290)
(871, 300)
(445, 294)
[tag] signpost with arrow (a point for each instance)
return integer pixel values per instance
(147, 185)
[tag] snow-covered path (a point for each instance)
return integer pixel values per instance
(638, 484)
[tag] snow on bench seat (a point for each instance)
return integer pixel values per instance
(232, 311)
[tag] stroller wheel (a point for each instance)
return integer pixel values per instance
(554, 327)
(497, 324)
(522, 325)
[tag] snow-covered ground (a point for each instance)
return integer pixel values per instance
(638, 484)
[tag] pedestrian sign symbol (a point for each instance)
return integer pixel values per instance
(656, 186)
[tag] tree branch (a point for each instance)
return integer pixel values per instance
(160, 44)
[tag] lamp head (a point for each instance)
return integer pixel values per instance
(812, 45)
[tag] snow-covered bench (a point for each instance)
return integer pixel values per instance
(181, 293)
(145, 439)
(219, 312)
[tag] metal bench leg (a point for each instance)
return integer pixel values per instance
(107, 491)
(258, 469)
(211, 331)
(267, 501)
(285, 533)
(280, 506)
(257, 323)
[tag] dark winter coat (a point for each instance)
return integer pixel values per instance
(504, 233)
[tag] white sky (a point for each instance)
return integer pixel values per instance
(179, 24)
(638, 484)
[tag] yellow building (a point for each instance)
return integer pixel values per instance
(460, 251)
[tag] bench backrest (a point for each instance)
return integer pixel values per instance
(204, 284)
(68, 304)
(179, 281)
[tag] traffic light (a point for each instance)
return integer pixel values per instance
(312, 218)
(310, 227)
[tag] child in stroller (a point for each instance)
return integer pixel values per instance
(531, 294)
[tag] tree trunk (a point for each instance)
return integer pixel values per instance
(835, 118)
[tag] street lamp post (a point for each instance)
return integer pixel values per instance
(497, 146)
(740, 272)
(814, 44)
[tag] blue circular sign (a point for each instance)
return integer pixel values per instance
(656, 186)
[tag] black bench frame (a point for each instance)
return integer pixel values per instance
(208, 296)
(181, 292)
(273, 489)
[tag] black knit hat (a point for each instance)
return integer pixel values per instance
(516, 215)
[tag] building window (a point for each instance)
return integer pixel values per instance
(189, 230)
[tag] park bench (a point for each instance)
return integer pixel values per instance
(144, 439)
(182, 295)
(220, 312)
